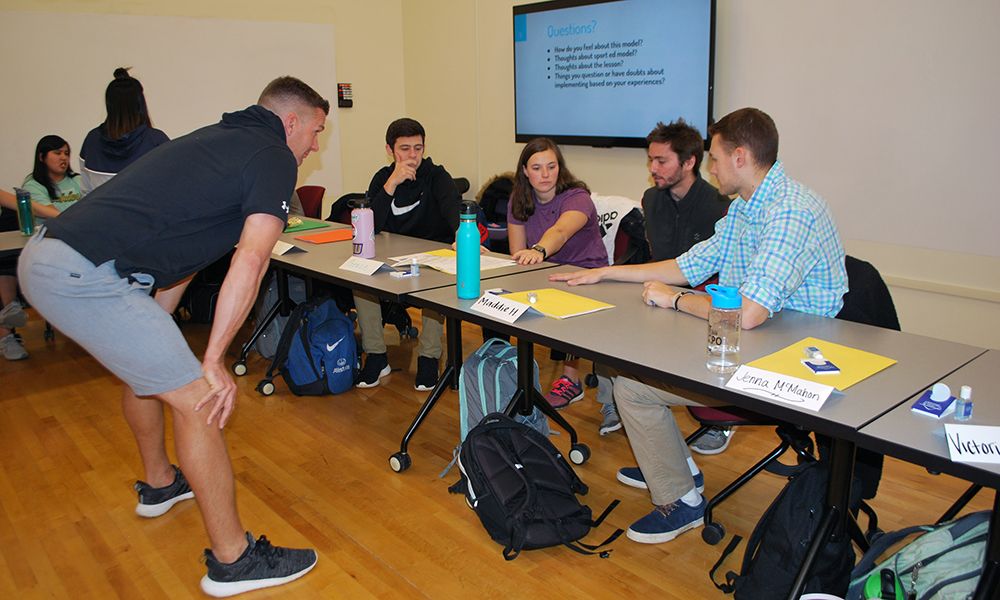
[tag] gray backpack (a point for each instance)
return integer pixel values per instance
(486, 385)
(267, 343)
(944, 563)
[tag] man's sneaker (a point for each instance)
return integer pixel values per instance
(261, 565)
(667, 522)
(632, 477)
(153, 502)
(13, 315)
(427, 373)
(376, 367)
(714, 441)
(611, 421)
(11, 348)
(564, 392)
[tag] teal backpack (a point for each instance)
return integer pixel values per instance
(486, 385)
(944, 563)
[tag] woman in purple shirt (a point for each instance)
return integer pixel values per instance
(550, 216)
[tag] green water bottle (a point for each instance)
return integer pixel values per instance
(25, 218)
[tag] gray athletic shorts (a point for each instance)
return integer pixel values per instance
(115, 319)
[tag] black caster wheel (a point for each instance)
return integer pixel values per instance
(579, 453)
(411, 332)
(713, 533)
(399, 462)
(590, 380)
(50, 336)
(265, 387)
(239, 368)
(873, 535)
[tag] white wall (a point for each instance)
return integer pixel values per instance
(884, 111)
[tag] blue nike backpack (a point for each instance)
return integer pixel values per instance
(316, 354)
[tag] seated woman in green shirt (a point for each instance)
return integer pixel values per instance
(52, 182)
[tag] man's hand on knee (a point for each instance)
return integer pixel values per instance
(222, 393)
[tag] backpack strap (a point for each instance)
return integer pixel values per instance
(729, 587)
(880, 545)
(285, 343)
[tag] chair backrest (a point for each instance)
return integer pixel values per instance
(462, 184)
(311, 197)
(867, 299)
(340, 212)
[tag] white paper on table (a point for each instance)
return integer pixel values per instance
(449, 264)
(281, 248)
(505, 309)
(364, 266)
(774, 386)
(973, 443)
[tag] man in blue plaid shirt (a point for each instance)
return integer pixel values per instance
(779, 245)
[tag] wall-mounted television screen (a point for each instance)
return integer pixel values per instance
(603, 72)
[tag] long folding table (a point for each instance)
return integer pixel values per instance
(920, 440)
(11, 243)
(669, 347)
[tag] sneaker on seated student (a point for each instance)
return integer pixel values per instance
(551, 216)
(779, 245)
(414, 197)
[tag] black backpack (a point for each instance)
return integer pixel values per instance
(523, 489)
(779, 543)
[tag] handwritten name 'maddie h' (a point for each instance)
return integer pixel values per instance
(497, 305)
(972, 447)
(782, 388)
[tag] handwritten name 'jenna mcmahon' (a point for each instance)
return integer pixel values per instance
(497, 305)
(779, 387)
(972, 447)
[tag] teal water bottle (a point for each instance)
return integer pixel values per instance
(25, 218)
(467, 251)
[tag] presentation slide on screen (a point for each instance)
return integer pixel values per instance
(612, 69)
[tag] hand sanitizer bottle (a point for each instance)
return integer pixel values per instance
(963, 405)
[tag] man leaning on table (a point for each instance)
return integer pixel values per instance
(779, 245)
(91, 270)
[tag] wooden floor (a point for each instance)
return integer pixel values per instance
(314, 472)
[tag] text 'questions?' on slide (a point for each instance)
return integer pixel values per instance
(614, 55)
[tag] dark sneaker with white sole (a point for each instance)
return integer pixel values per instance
(154, 502)
(260, 566)
(376, 367)
(667, 522)
(714, 441)
(632, 477)
(427, 374)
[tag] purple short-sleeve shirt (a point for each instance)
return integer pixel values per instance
(585, 249)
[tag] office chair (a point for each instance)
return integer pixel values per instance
(311, 197)
(867, 301)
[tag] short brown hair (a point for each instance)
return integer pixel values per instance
(288, 89)
(684, 140)
(404, 127)
(749, 128)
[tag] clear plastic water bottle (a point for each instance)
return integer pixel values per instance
(467, 252)
(963, 405)
(724, 328)
(363, 223)
(25, 217)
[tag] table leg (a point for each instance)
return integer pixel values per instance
(526, 398)
(989, 581)
(833, 525)
(400, 461)
(282, 306)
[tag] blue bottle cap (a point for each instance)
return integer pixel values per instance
(724, 297)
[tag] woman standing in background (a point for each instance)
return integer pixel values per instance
(123, 137)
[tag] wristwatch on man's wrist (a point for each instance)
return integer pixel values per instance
(540, 248)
